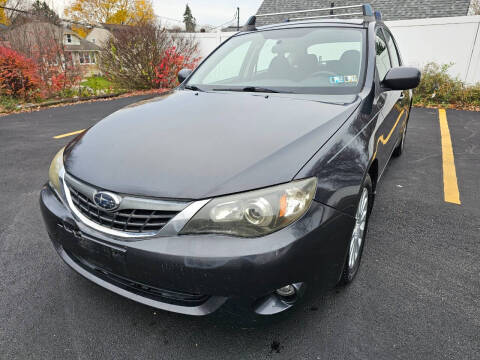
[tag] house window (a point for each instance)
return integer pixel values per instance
(69, 38)
(87, 57)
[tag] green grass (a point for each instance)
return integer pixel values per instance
(8, 103)
(98, 83)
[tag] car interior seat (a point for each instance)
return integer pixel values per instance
(349, 63)
(279, 66)
(307, 64)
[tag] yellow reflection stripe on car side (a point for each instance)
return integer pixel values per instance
(450, 183)
(384, 140)
(68, 134)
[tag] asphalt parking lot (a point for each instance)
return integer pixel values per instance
(417, 295)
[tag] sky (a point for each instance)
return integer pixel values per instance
(207, 12)
(211, 12)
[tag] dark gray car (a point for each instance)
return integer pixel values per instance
(252, 181)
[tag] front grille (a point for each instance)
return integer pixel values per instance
(127, 220)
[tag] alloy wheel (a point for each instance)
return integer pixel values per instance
(358, 231)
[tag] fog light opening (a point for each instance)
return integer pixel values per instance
(287, 292)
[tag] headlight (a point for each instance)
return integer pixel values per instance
(254, 213)
(54, 171)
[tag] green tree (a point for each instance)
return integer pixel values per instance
(189, 20)
(41, 10)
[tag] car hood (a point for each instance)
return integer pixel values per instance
(188, 145)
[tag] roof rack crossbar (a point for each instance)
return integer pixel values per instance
(367, 13)
(326, 16)
(312, 10)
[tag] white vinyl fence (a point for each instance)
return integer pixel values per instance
(442, 40)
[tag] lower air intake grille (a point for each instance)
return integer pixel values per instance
(154, 293)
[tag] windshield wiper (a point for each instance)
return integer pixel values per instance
(249, 89)
(193, 87)
(258, 89)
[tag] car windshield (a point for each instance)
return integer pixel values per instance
(326, 60)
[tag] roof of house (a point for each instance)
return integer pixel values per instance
(69, 31)
(84, 46)
(55, 31)
(230, 28)
(391, 9)
(114, 27)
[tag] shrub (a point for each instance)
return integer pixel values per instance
(7, 103)
(61, 80)
(171, 63)
(439, 88)
(130, 58)
(18, 74)
(57, 70)
(43, 43)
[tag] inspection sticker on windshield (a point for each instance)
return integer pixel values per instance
(347, 79)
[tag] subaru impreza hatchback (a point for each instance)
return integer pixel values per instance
(252, 181)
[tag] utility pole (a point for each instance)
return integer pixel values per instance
(238, 18)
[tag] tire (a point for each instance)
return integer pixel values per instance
(359, 233)
(401, 145)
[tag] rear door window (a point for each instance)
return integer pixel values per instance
(333, 51)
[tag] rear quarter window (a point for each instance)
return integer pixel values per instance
(333, 51)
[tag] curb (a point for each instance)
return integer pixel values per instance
(67, 101)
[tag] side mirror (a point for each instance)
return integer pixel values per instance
(402, 78)
(183, 74)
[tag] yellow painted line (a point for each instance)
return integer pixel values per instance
(69, 134)
(450, 184)
(384, 140)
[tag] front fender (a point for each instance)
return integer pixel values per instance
(343, 162)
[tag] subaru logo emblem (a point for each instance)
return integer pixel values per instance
(106, 200)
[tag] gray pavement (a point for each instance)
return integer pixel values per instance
(417, 295)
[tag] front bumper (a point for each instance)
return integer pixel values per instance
(196, 274)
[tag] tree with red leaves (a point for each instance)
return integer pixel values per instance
(18, 74)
